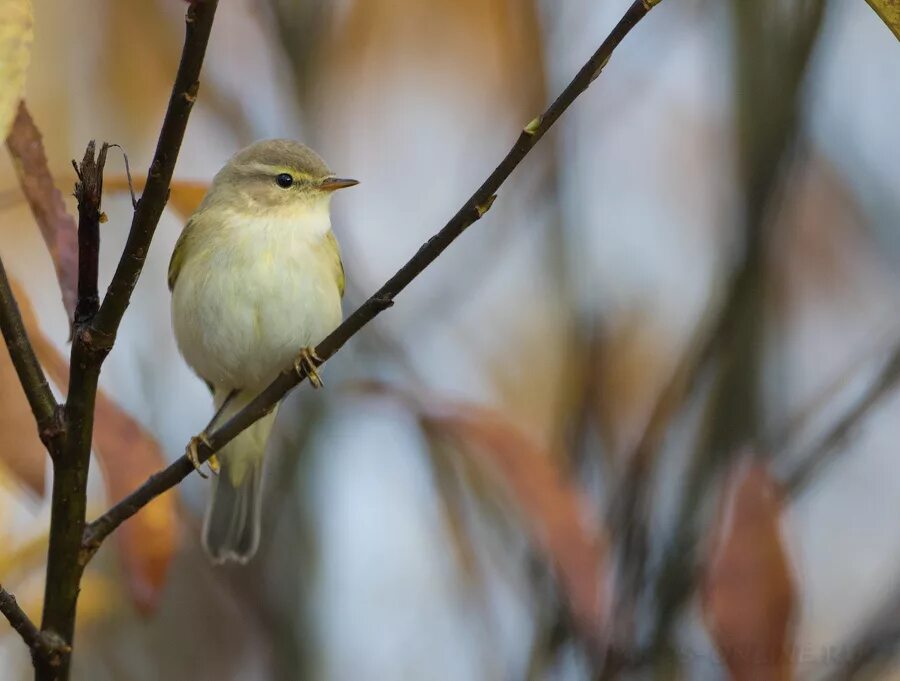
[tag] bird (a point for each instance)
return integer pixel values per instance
(257, 282)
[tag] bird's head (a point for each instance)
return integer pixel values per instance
(275, 176)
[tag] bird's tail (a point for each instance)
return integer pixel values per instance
(232, 524)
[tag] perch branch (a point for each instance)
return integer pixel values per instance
(471, 211)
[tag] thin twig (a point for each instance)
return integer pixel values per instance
(19, 620)
(40, 644)
(31, 375)
(88, 191)
(471, 211)
(134, 201)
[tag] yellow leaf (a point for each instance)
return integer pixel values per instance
(889, 11)
(16, 35)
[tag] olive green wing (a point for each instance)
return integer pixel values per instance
(334, 251)
(179, 254)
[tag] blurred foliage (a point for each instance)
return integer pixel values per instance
(646, 473)
(16, 36)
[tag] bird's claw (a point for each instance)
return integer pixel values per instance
(214, 465)
(307, 361)
(193, 454)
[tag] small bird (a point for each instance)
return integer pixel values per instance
(257, 281)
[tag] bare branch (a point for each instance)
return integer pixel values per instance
(31, 375)
(471, 211)
(88, 191)
(40, 645)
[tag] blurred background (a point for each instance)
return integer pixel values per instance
(639, 422)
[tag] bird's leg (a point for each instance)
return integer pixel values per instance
(306, 361)
(219, 411)
(196, 441)
(194, 456)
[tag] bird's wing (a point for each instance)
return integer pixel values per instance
(334, 250)
(179, 253)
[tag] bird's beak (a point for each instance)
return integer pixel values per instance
(330, 184)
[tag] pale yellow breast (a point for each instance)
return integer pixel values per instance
(251, 292)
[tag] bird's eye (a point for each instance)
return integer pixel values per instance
(284, 180)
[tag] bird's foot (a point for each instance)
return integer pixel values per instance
(193, 454)
(307, 361)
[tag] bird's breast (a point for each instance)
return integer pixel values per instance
(248, 299)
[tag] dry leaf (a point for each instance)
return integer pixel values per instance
(748, 590)
(553, 508)
(184, 195)
(128, 455)
(889, 11)
(16, 36)
(57, 227)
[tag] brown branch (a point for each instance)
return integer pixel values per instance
(18, 619)
(40, 644)
(56, 224)
(31, 375)
(88, 191)
(70, 467)
(94, 336)
(471, 211)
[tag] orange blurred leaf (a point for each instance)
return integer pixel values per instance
(128, 455)
(184, 196)
(57, 227)
(748, 591)
(22, 452)
(554, 510)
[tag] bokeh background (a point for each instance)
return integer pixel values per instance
(638, 422)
